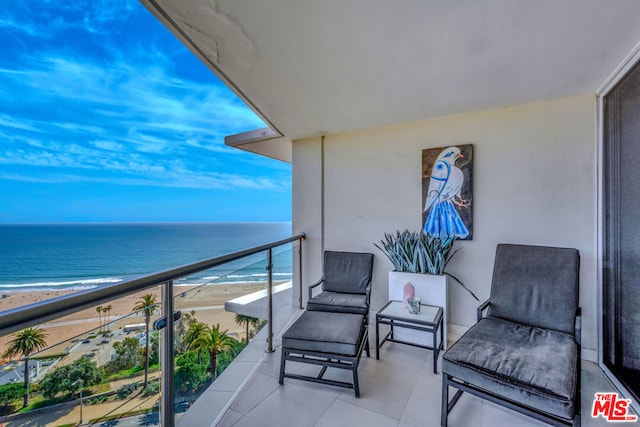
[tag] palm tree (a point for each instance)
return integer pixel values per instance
(106, 311)
(215, 342)
(194, 330)
(247, 321)
(23, 344)
(99, 310)
(256, 325)
(147, 305)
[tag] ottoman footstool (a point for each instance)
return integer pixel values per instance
(329, 340)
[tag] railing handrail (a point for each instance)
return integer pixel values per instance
(18, 318)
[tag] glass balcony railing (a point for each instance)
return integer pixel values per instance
(134, 360)
(221, 311)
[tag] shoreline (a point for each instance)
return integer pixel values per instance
(24, 288)
(207, 301)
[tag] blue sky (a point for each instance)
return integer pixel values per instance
(106, 117)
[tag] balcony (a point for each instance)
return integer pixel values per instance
(398, 390)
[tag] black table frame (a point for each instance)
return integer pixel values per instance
(408, 323)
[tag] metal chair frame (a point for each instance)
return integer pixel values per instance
(326, 360)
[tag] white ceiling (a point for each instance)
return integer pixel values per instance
(328, 66)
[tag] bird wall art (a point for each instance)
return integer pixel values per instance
(447, 191)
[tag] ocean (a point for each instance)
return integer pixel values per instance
(80, 256)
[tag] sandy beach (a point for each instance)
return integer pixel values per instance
(207, 302)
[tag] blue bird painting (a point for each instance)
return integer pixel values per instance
(444, 196)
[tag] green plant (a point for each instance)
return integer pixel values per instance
(417, 252)
(152, 388)
(191, 373)
(63, 379)
(246, 321)
(147, 306)
(125, 391)
(96, 400)
(8, 394)
(214, 341)
(23, 344)
(227, 357)
(127, 355)
(194, 330)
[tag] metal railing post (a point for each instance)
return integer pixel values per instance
(81, 381)
(300, 272)
(166, 347)
(270, 348)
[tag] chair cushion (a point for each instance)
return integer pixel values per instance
(536, 285)
(533, 366)
(347, 272)
(337, 302)
(324, 332)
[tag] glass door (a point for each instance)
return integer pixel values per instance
(621, 262)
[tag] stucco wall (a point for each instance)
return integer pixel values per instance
(535, 175)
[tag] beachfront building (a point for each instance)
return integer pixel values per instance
(354, 91)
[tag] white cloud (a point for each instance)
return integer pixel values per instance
(94, 16)
(149, 99)
(158, 177)
(124, 118)
(6, 121)
(124, 168)
(101, 14)
(25, 27)
(108, 145)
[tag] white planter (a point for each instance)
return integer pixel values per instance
(432, 289)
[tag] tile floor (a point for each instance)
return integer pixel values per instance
(399, 390)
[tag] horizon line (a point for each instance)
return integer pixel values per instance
(141, 222)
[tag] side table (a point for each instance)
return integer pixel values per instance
(396, 315)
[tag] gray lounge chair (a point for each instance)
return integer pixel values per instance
(333, 332)
(346, 283)
(525, 354)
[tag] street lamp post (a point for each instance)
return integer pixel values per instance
(74, 383)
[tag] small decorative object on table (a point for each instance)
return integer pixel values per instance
(409, 292)
(414, 305)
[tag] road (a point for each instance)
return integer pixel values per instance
(146, 420)
(12, 375)
(15, 373)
